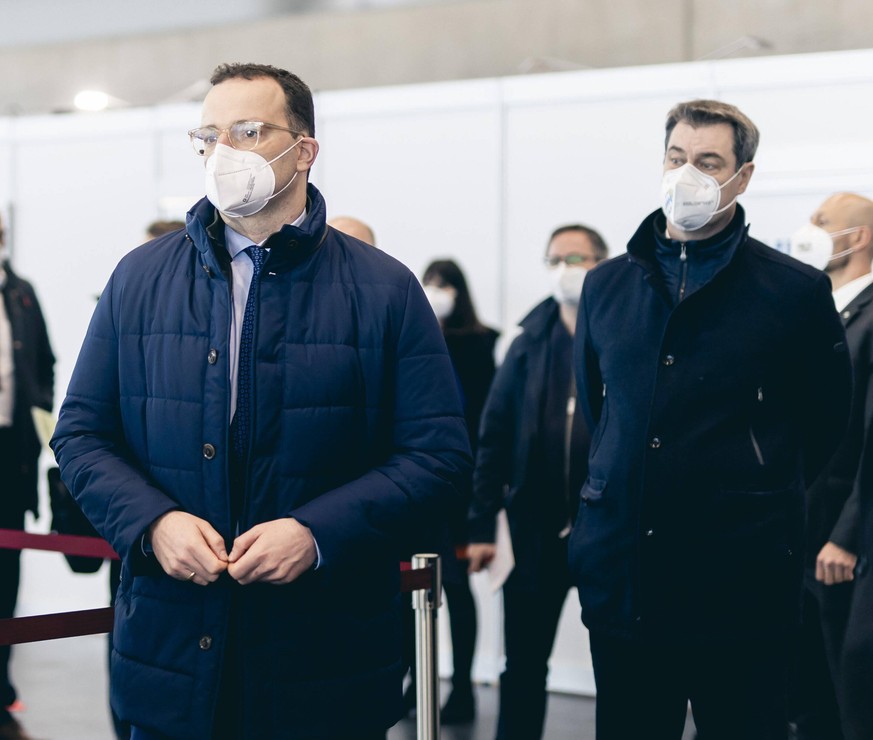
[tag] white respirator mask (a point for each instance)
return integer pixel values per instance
(240, 183)
(690, 198)
(442, 300)
(815, 246)
(567, 283)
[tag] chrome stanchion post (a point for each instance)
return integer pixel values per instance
(426, 602)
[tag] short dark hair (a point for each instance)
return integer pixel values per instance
(710, 112)
(463, 318)
(299, 107)
(601, 251)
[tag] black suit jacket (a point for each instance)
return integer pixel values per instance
(833, 511)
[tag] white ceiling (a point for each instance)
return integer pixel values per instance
(39, 22)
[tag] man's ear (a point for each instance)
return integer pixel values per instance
(745, 176)
(308, 148)
(864, 237)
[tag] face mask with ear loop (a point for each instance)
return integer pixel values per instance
(815, 246)
(240, 183)
(567, 283)
(690, 198)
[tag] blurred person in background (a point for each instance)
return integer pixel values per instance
(26, 380)
(839, 240)
(354, 227)
(532, 461)
(471, 347)
(159, 228)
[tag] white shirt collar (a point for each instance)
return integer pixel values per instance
(847, 293)
(235, 242)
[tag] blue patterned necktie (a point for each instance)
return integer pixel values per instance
(242, 420)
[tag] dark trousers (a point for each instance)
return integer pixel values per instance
(736, 690)
(812, 703)
(462, 624)
(121, 728)
(532, 604)
(11, 517)
(855, 685)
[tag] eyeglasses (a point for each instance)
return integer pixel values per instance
(243, 135)
(571, 260)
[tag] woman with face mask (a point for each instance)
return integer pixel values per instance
(471, 347)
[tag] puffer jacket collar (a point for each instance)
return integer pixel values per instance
(289, 246)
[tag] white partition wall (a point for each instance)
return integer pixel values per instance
(480, 171)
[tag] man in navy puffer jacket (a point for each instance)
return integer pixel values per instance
(258, 433)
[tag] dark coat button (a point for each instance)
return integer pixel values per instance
(655, 443)
(208, 451)
(212, 357)
(650, 532)
(669, 360)
(205, 642)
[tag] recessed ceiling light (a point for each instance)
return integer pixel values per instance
(91, 100)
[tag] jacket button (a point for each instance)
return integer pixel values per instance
(650, 532)
(655, 443)
(669, 360)
(212, 357)
(205, 642)
(208, 451)
(846, 314)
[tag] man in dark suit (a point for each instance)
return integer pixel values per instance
(856, 666)
(26, 380)
(715, 375)
(845, 223)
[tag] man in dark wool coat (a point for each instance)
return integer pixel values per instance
(262, 414)
(715, 375)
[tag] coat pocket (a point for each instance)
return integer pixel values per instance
(592, 492)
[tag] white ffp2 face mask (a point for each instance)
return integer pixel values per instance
(690, 198)
(567, 283)
(815, 246)
(240, 183)
(442, 300)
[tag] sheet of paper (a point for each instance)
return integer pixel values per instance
(504, 559)
(44, 422)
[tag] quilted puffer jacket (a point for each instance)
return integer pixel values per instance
(358, 434)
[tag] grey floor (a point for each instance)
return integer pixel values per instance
(63, 686)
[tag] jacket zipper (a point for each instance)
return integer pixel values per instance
(683, 258)
(568, 449)
(752, 436)
(756, 446)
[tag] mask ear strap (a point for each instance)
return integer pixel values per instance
(843, 232)
(286, 187)
(279, 156)
(724, 208)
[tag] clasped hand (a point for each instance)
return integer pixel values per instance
(189, 549)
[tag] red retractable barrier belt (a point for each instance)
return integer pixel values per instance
(55, 626)
(97, 621)
(68, 544)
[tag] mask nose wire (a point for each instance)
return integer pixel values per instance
(266, 164)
